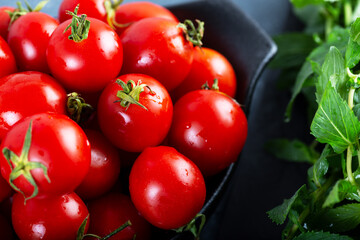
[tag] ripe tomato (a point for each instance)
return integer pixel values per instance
(207, 65)
(134, 128)
(87, 65)
(7, 59)
(26, 93)
(4, 21)
(104, 168)
(113, 210)
(157, 47)
(129, 13)
(166, 187)
(92, 8)
(210, 128)
(48, 152)
(51, 218)
(28, 38)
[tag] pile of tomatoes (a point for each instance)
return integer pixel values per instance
(111, 114)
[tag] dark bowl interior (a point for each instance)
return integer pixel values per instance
(248, 48)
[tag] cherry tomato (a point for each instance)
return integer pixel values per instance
(48, 152)
(92, 8)
(50, 218)
(113, 210)
(210, 128)
(129, 13)
(6, 229)
(207, 65)
(4, 21)
(24, 94)
(87, 65)
(28, 38)
(166, 187)
(157, 47)
(104, 168)
(133, 128)
(7, 59)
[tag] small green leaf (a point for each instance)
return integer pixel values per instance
(352, 54)
(320, 236)
(355, 31)
(339, 192)
(334, 122)
(317, 172)
(81, 229)
(340, 219)
(279, 213)
(294, 151)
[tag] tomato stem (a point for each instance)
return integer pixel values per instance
(79, 25)
(77, 108)
(23, 166)
(20, 10)
(215, 85)
(193, 34)
(191, 226)
(110, 7)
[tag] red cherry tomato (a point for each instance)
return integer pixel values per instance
(4, 21)
(207, 65)
(134, 128)
(113, 210)
(51, 218)
(104, 168)
(92, 8)
(51, 152)
(129, 13)
(7, 59)
(157, 47)
(24, 94)
(210, 128)
(166, 187)
(28, 38)
(88, 65)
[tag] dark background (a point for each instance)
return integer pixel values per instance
(260, 181)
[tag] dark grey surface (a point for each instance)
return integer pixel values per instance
(260, 181)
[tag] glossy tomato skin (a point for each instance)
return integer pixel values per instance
(111, 211)
(26, 93)
(135, 128)
(166, 187)
(4, 21)
(51, 218)
(157, 47)
(131, 12)
(207, 65)
(104, 168)
(28, 38)
(92, 8)
(59, 144)
(210, 128)
(88, 65)
(7, 59)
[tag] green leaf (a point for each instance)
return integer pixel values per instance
(279, 213)
(334, 122)
(293, 48)
(303, 3)
(339, 192)
(352, 54)
(294, 151)
(355, 31)
(340, 219)
(317, 172)
(320, 236)
(333, 69)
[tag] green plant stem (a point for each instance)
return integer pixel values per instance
(351, 97)
(347, 13)
(349, 165)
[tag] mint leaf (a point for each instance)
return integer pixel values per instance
(279, 213)
(303, 3)
(320, 236)
(355, 31)
(333, 69)
(334, 122)
(340, 219)
(294, 151)
(339, 192)
(317, 172)
(352, 54)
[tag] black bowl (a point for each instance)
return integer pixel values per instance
(231, 32)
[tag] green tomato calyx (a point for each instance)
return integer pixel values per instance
(79, 25)
(193, 34)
